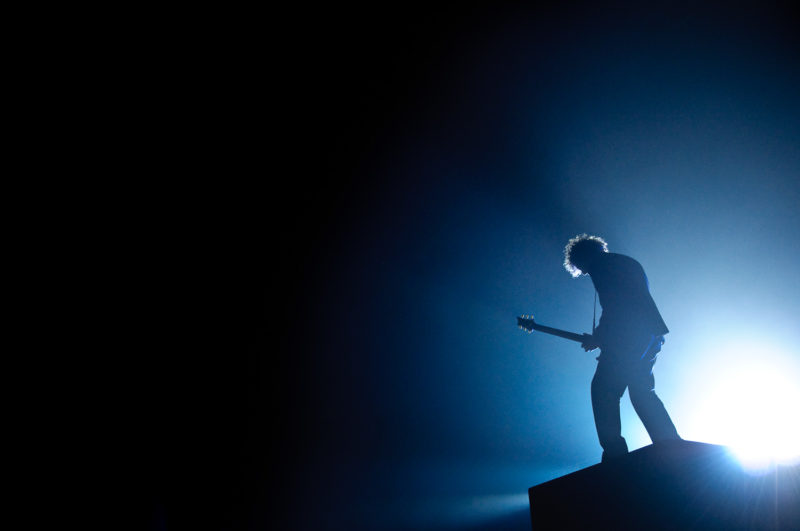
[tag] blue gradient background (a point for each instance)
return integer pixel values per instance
(458, 152)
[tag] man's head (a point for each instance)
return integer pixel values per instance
(581, 251)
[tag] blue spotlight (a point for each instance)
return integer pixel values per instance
(752, 407)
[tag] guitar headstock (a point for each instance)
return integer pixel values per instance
(526, 322)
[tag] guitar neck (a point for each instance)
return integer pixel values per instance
(560, 333)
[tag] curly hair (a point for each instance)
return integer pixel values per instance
(579, 249)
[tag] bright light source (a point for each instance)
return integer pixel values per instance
(752, 409)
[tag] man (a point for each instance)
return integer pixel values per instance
(629, 335)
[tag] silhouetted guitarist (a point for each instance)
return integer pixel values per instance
(630, 334)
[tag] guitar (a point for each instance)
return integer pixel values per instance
(527, 323)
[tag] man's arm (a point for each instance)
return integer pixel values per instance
(594, 340)
(590, 342)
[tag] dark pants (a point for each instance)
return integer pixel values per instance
(631, 367)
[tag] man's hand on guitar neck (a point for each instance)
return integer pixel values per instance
(589, 343)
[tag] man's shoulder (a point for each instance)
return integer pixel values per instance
(617, 258)
(621, 263)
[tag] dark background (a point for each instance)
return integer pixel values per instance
(355, 363)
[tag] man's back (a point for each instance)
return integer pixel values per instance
(629, 311)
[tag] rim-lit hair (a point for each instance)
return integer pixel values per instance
(580, 249)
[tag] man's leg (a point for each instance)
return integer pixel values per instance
(608, 385)
(647, 405)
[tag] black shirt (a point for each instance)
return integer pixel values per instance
(629, 312)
